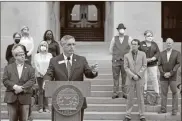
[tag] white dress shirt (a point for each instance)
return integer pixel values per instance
(20, 69)
(66, 60)
(169, 54)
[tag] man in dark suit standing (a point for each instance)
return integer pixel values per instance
(18, 78)
(169, 62)
(69, 66)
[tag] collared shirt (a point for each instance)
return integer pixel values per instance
(66, 60)
(169, 54)
(134, 54)
(20, 69)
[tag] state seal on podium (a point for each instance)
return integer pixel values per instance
(67, 100)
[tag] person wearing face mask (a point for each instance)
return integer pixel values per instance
(28, 42)
(53, 46)
(119, 46)
(9, 56)
(152, 53)
(41, 61)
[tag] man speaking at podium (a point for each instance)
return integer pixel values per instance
(69, 66)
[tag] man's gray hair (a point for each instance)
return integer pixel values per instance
(66, 38)
(16, 46)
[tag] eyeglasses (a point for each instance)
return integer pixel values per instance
(149, 36)
(71, 44)
(20, 55)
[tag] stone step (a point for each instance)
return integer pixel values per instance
(107, 100)
(108, 116)
(107, 108)
(109, 94)
(101, 94)
(93, 87)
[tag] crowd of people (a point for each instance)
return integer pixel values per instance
(137, 61)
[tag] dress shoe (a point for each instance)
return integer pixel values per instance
(41, 111)
(162, 111)
(115, 96)
(126, 119)
(30, 118)
(142, 119)
(124, 96)
(174, 113)
(47, 110)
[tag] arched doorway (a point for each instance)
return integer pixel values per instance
(83, 20)
(172, 20)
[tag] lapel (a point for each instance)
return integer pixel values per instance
(62, 66)
(24, 71)
(138, 56)
(171, 56)
(131, 57)
(15, 70)
(74, 64)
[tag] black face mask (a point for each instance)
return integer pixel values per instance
(17, 41)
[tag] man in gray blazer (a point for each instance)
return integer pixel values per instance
(169, 62)
(18, 78)
(69, 66)
(135, 63)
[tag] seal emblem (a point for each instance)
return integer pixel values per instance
(67, 100)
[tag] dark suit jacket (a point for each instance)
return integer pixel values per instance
(171, 66)
(57, 70)
(27, 80)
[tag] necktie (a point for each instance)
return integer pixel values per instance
(69, 68)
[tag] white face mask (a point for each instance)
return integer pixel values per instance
(121, 31)
(42, 48)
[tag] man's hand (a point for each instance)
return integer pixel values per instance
(167, 74)
(149, 59)
(136, 77)
(17, 89)
(153, 58)
(94, 68)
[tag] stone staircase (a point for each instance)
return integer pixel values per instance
(101, 107)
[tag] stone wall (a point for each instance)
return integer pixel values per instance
(38, 16)
(138, 17)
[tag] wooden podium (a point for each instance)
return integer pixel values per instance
(67, 98)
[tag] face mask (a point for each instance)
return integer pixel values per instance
(42, 48)
(17, 41)
(121, 31)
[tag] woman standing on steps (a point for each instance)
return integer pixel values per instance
(28, 42)
(152, 52)
(53, 46)
(41, 61)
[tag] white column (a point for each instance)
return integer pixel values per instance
(14, 15)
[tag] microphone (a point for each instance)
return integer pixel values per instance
(68, 58)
